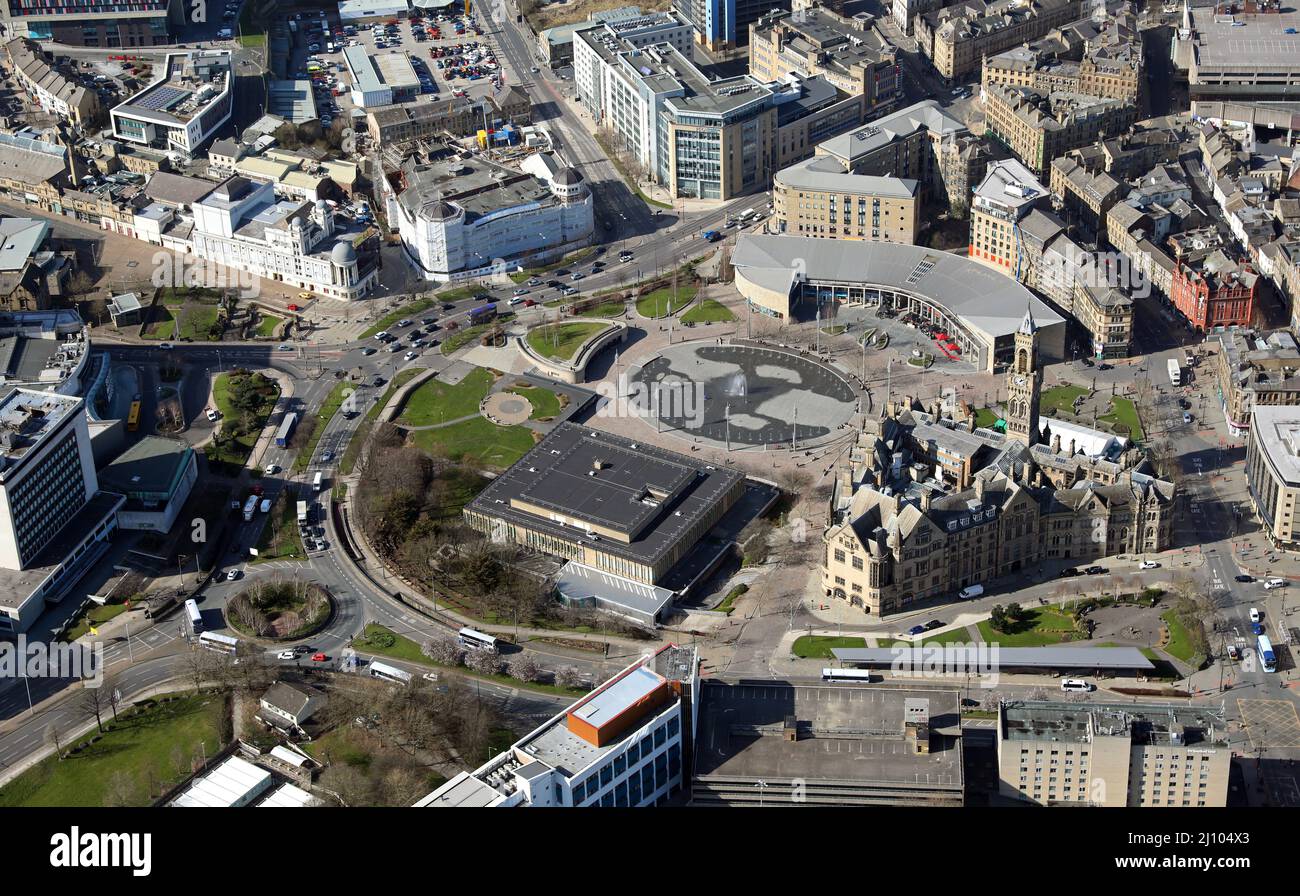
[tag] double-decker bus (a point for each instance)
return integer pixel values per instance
(476, 640)
(133, 417)
(1267, 658)
(389, 673)
(195, 617)
(219, 643)
(483, 314)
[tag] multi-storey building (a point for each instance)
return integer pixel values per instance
(1085, 196)
(627, 744)
(697, 137)
(1209, 287)
(1104, 754)
(1008, 192)
(724, 24)
(1105, 60)
(1039, 128)
(242, 225)
(54, 520)
(922, 508)
(183, 110)
(817, 198)
(95, 23)
(813, 41)
(957, 38)
(1273, 472)
(1238, 56)
(49, 87)
(462, 216)
(1254, 370)
(921, 142)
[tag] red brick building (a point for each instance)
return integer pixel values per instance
(1212, 290)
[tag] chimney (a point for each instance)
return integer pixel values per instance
(926, 496)
(980, 484)
(1072, 450)
(1056, 444)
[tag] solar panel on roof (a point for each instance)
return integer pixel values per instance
(163, 98)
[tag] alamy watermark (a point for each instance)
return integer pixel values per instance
(180, 271)
(679, 400)
(976, 660)
(22, 658)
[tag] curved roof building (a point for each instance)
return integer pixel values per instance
(979, 307)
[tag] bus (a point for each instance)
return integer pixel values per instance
(317, 481)
(133, 417)
(219, 643)
(285, 433)
(483, 314)
(196, 618)
(1267, 658)
(846, 675)
(476, 640)
(744, 216)
(1175, 373)
(389, 673)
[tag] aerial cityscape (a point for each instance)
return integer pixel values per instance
(836, 403)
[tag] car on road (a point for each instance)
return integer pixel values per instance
(1270, 584)
(166, 346)
(395, 348)
(411, 356)
(1234, 652)
(213, 415)
(1068, 573)
(319, 657)
(516, 300)
(286, 655)
(367, 352)
(1104, 366)
(448, 306)
(430, 676)
(534, 281)
(570, 291)
(528, 303)
(429, 322)
(1148, 564)
(576, 276)
(292, 307)
(271, 470)
(1243, 577)
(1076, 684)
(404, 322)
(916, 630)
(231, 575)
(1187, 418)
(284, 347)
(1256, 628)
(625, 256)
(381, 335)
(257, 490)
(326, 457)
(1184, 404)
(933, 624)
(305, 296)
(520, 292)
(1096, 571)
(1254, 614)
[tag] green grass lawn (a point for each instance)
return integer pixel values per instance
(561, 341)
(280, 539)
(437, 402)
(196, 321)
(1180, 642)
(1125, 415)
(349, 460)
(604, 309)
(163, 323)
(95, 615)
(545, 403)
(1041, 627)
(236, 451)
(663, 302)
(708, 311)
(1059, 400)
(466, 335)
(478, 442)
(140, 744)
(405, 649)
(266, 326)
(820, 646)
(986, 417)
(327, 410)
(405, 311)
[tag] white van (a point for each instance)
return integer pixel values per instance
(1075, 684)
(1270, 584)
(1254, 615)
(970, 593)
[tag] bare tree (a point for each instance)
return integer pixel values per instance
(569, 677)
(121, 791)
(525, 668)
(444, 651)
(93, 700)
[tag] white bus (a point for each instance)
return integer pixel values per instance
(846, 675)
(196, 618)
(219, 643)
(316, 482)
(1175, 373)
(744, 216)
(1267, 658)
(389, 673)
(476, 640)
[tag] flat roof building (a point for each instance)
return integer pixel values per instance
(95, 23)
(1240, 56)
(783, 743)
(607, 502)
(1273, 471)
(818, 198)
(626, 744)
(156, 475)
(182, 110)
(1107, 754)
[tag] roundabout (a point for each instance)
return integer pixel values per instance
(744, 395)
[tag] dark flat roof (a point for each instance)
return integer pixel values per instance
(648, 494)
(150, 465)
(1019, 657)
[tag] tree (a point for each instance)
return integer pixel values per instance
(484, 662)
(525, 668)
(93, 700)
(998, 619)
(121, 791)
(443, 650)
(570, 678)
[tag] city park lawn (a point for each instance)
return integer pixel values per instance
(562, 340)
(478, 442)
(437, 402)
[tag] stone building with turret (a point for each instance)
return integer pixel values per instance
(923, 505)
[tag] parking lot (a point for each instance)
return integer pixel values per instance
(447, 61)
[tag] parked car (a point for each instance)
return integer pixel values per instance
(916, 630)
(319, 657)
(1233, 652)
(286, 655)
(1068, 573)
(933, 624)
(1148, 564)
(231, 575)
(1096, 571)
(1243, 577)
(271, 469)
(213, 415)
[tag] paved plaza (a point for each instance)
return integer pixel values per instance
(757, 396)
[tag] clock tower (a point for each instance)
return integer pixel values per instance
(1024, 382)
